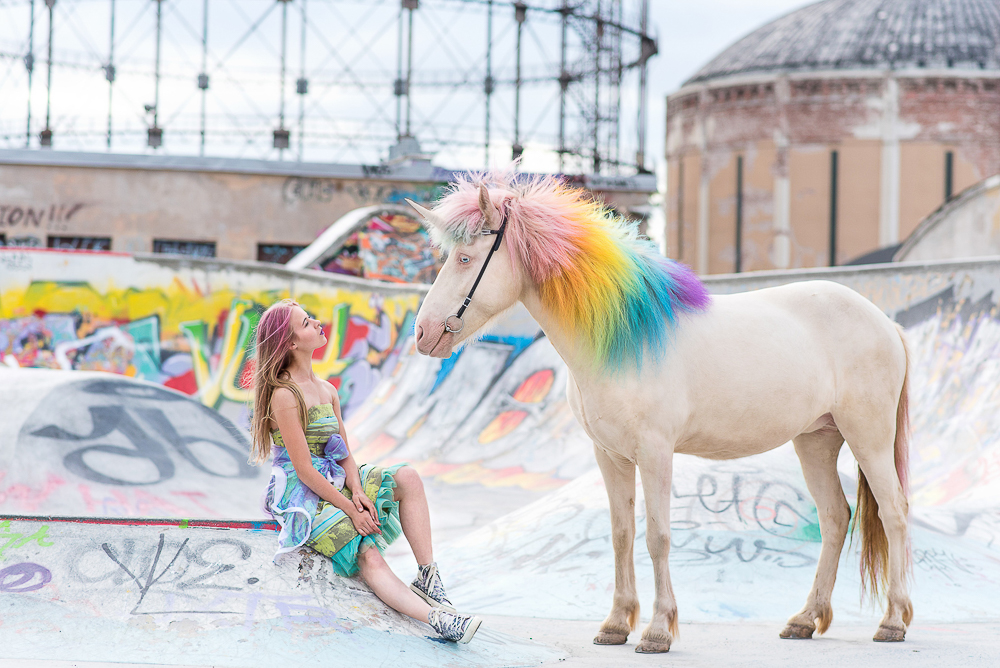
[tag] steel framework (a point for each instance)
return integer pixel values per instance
(559, 83)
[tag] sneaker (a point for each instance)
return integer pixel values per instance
(455, 627)
(428, 586)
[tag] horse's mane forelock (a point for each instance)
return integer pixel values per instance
(591, 267)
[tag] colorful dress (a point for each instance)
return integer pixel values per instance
(306, 519)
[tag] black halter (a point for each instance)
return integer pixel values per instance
(468, 300)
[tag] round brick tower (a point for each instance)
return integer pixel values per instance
(831, 132)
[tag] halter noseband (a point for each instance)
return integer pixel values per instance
(468, 300)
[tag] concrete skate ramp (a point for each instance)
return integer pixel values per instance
(92, 443)
(512, 479)
(160, 593)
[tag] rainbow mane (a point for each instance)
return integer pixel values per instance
(592, 270)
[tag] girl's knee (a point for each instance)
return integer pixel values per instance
(370, 558)
(407, 476)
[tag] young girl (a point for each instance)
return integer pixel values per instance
(317, 493)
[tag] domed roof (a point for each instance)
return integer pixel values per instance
(868, 34)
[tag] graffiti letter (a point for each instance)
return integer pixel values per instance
(107, 419)
(20, 578)
(162, 426)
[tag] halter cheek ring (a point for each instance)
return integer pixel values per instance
(468, 300)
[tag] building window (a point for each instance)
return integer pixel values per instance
(81, 243)
(26, 241)
(834, 174)
(739, 214)
(680, 208)
(178, 247)
(949, 175)
(278, 253)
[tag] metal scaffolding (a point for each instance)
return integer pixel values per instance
(477, 82)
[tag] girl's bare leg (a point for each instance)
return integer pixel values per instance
(389, 588)
(413, 514)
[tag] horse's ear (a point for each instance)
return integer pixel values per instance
(427, 217)
(490, 212)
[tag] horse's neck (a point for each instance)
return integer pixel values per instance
(570, 347)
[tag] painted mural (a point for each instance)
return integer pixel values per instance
(394, 248)
(189, 331)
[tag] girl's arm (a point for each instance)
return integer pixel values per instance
(352, 477)
(286, 414)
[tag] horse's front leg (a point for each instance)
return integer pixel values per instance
(656, 470)
(619, 480)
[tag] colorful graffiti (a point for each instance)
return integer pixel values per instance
(494, 414)
(192, 338)
(392, 248)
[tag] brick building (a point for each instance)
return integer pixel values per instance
(831, 132)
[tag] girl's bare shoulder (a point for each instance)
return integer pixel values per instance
(283, 398)
(332, 390)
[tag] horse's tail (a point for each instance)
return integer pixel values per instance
(874, 543)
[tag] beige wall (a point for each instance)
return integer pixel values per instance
(235, 210)
(809, 176)
(922, 173)
(860, 163)
(758, 206)
(722, 213)
(683, 245)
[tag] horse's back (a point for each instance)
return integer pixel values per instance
(760, 367)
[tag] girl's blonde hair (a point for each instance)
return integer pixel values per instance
(273, 351)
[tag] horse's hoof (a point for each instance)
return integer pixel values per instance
(608, 638)
(797, 631)
(652, 647)
(889, 634)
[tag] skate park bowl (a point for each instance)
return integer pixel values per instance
(130, 527)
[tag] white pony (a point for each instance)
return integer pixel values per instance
(658, 367)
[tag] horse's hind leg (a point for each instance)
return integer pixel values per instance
(818, 453)
(882, 514)
(619, 480)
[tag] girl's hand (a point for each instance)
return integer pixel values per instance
(364, 504)
(364, 524)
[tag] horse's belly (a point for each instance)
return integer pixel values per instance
(721, 450)
(735, 444)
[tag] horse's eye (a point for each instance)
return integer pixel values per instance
(464, 260)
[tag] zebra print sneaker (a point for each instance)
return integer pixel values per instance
(428, 586)
(455, 627)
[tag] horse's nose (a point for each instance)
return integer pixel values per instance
(419, 333)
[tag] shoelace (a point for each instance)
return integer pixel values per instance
(430, 581)
(447, 624)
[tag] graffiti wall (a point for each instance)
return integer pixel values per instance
(186, 325)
